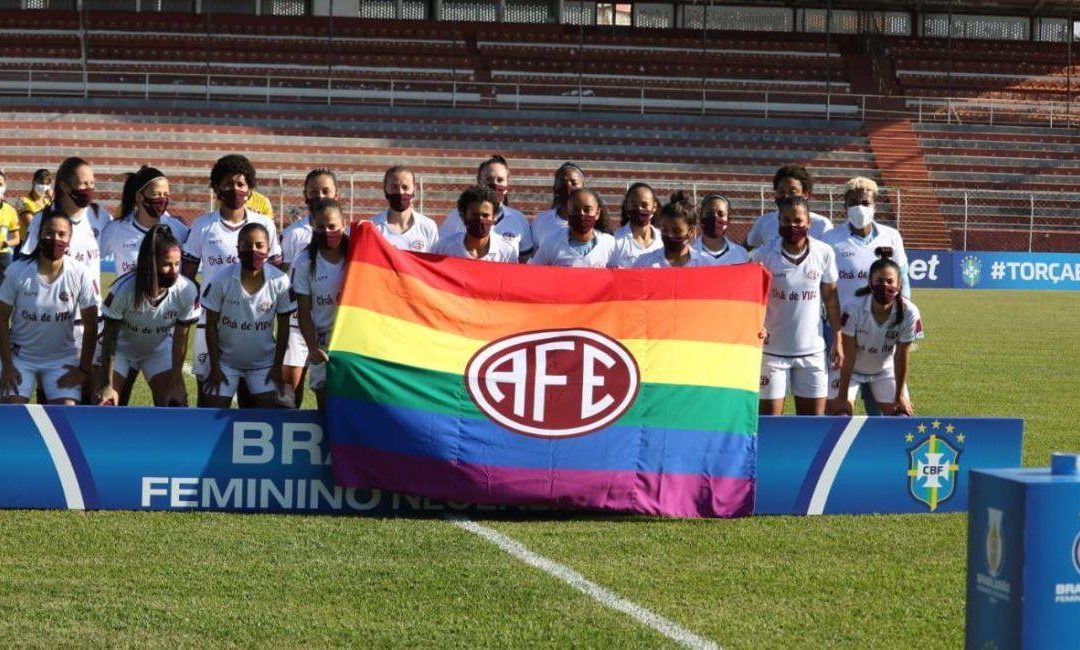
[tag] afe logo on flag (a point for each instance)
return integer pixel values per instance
(553, 383)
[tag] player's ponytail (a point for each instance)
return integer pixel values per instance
(127, 196)
(680, 205)
(157, 241)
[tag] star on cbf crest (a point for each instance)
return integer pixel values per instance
(933, 470)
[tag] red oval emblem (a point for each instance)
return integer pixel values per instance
(553, 383)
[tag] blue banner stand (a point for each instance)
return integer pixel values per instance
(1023, 587)
(279, 461)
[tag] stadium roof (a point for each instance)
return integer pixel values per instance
(1060, 8)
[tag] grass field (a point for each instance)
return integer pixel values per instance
(167, 579)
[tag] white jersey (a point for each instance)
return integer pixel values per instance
(148, 327)
(510, 224)
(86, 226)
(122, 239)
(627, 250)
(324, 287)
(419, 238)
(546, 224)
(43, 314)
(793, 313)
(294, 239)
(855, 254)
(213, 241)
(500, 249)
(656, 259)
(767, 228)
(556, 250)
(875, 342)
(731, 253)
(246, 321)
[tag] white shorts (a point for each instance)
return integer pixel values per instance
(256, 380)
(150, 366)
(47, 375)
(882, 385)
(297, 353)
(805, 376)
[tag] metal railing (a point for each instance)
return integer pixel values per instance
(647, 97)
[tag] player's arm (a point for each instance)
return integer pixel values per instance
(832, 311)
(281, 344)
(81, 374)
(178, 392)
(841, 406)
(901, 359)
(215, 376)
(307, 329)
(9, 376)
(106, 393)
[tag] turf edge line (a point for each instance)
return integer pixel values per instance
(604, 596)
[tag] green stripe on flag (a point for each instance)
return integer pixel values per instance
(698, 408)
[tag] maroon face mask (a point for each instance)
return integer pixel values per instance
(793, 234)
(327, 239)
(501, 190)
(883, 294)
(640, 217)
(52, 248)
(581, 223)
(156, 207)
(478, 228)
(673, 244)
(82, 198)
(252, 260)
(714, 228)
(166, 280)
(399, 202)
(233, 199)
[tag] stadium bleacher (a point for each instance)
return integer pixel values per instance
(290, 62)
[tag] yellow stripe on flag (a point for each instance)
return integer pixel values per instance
(372, 334)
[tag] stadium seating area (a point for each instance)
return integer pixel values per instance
(486, 69)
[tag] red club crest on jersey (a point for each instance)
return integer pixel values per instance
(553, 383)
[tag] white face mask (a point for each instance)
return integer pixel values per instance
(860, 216)
(41, 189)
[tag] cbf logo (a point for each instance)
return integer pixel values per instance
(932, 471)
(971, 270)
(994, 545)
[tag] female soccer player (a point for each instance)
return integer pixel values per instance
(319, 185)
(317, 278)
(804, 279)
(678, 223)
(40, 300)
(477, 241)
(637, 235)
(510, 224)
(148, 313)
(145, 204)
(74, 197)
(37, 199)
(568, 178)
(788, 182)
(855, 243)
(581, 244)
(242, 303)
(879, 326)
(714, 243)
(405, 228)
(212, 243)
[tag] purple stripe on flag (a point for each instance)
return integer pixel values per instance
(671, 495)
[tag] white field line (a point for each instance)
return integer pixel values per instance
(604, 596)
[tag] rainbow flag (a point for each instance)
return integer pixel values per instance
(624, 390)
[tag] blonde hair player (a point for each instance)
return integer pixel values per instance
(401, 225)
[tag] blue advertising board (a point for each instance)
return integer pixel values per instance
(1023, 587)
(994, 270)
(278, 461)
